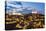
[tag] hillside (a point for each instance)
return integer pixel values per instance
(25, 21)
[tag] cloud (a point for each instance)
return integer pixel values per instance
(29, 8)
(19, 9)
